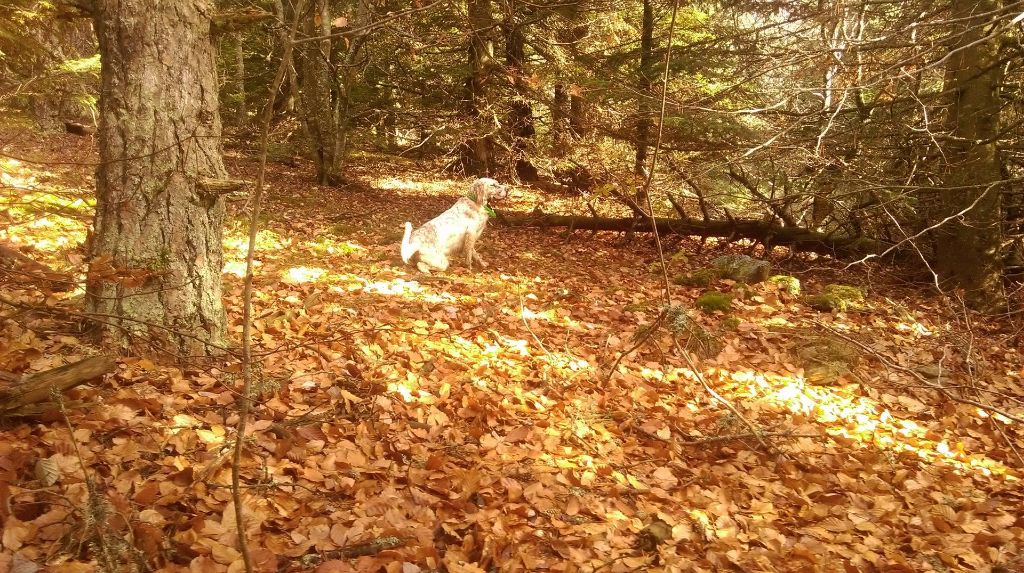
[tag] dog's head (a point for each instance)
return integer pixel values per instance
(486, 189)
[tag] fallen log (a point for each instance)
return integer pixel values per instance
(36, 388)
(764, 231)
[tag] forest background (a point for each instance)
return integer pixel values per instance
(648, 411)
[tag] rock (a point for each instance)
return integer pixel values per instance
(742, 268)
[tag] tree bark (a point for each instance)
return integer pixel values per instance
(520, 116)
(560, 120)
(317, 104)
(243, 107)
(290, 93)
(476, 156)
(569, 110)
(159, 133)
(645, 78)
(967, 245)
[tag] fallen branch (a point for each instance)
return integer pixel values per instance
(764, 231)
(37, 387)
(748, 436)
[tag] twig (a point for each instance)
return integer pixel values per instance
(245, 400)
(640, 342)
(747, 436)
(657, 151)
(703, 382)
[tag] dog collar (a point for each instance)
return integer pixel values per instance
(471, 195)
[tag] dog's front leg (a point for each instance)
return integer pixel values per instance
(468, 246)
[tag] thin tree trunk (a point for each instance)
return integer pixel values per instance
(290, 93)
(317, 106)
(243, 107)
(341, 89)
(155, 274)
(560, 120)
(645, 78)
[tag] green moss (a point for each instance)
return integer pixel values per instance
(836, 297)
(90, 65)
(710, 302)
(786, 283)
(701, 278)
(638, 306)
(731, 323)
(845, 292)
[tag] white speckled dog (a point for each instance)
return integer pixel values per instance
(456, 230)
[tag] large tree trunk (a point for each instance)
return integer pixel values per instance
(520, 116)
(155, 275)
(477, 153)
(967, 245)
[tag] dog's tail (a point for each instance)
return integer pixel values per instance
(408, 250)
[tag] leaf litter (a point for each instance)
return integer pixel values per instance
(467, 422)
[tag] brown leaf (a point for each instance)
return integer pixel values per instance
(47, 471)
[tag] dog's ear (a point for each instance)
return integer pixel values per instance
(478, 192)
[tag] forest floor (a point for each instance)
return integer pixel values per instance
(471, 421)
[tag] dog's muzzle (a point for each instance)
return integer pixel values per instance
(499, 192)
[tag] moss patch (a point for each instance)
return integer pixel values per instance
(786, 284)
(731, 323)
(710, 302)
(836, 297)
(825, 359)
(701, 278)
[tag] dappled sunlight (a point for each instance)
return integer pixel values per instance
(299, 275)
(863, 421)
(406, 185)
(237, 268)
(236, 245)
(50, 219)
(395, 287)
(914, 328)
(16, 175)
(328, 246)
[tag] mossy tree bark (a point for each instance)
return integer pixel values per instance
(967, 246)
(155, 276)
(317, 102)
